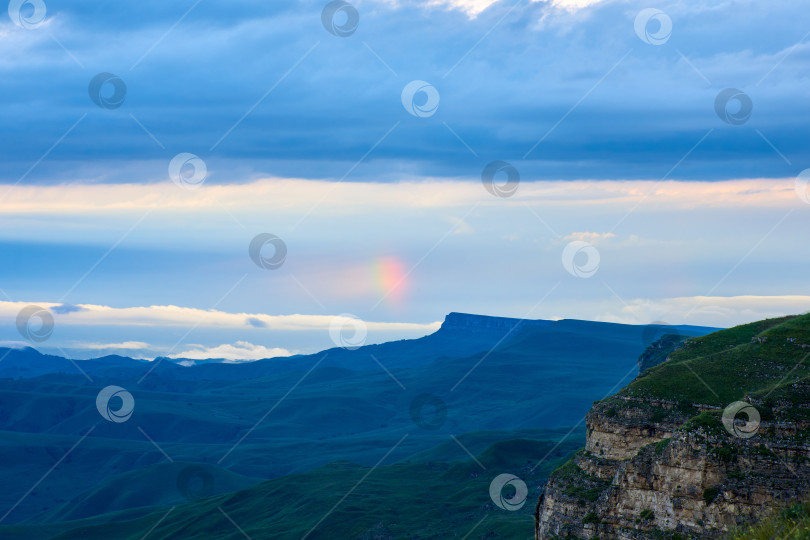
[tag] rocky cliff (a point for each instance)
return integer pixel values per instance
(713, 439)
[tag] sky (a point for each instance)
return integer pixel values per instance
(252, 179)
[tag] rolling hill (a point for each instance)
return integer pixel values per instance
(478, 379)
(706, 443)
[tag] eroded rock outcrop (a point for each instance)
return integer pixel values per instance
(658, 464)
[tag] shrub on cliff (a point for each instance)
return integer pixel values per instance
(790, 524)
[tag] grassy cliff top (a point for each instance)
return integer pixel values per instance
(765, 360)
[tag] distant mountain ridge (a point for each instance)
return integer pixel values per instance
(460, 334)
(712, 439)
(466, 321)
(272, 418)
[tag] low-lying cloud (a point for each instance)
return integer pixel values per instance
(241, 351)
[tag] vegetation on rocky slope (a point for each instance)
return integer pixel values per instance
(789, 524)
(661, 461)
(765, 360)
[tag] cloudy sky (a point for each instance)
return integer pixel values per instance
(659, 149)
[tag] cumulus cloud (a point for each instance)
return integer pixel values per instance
(241, 351)
(590, 237)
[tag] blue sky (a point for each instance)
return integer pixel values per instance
(304, 135)
(500, 96)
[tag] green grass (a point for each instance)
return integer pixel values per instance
(658, 351)
(731, 362)
(585, 493)
(591, 517)
(706, 421)
(579, 484)
(763, 360)
(661, 445)
(726, 452)
(790, 524)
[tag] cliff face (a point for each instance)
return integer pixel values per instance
(659, 464)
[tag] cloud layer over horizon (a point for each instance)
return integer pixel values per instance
(640, 198)
(213, 325)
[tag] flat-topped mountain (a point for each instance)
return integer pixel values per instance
(466, 321)
(711, 440)
(460, 334)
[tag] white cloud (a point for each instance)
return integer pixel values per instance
(96, 315)
(126, 345)
(471, 7)
(241, 351)
(462, 227)
(719, 311)
(292, 196)
(590, 237)
(19, 345)
(629, 241)
(474, 7)
(574, 5)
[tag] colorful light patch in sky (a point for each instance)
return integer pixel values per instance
(391, 279)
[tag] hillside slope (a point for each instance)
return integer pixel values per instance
(713, 439)
(342, 500)
(277, 417)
